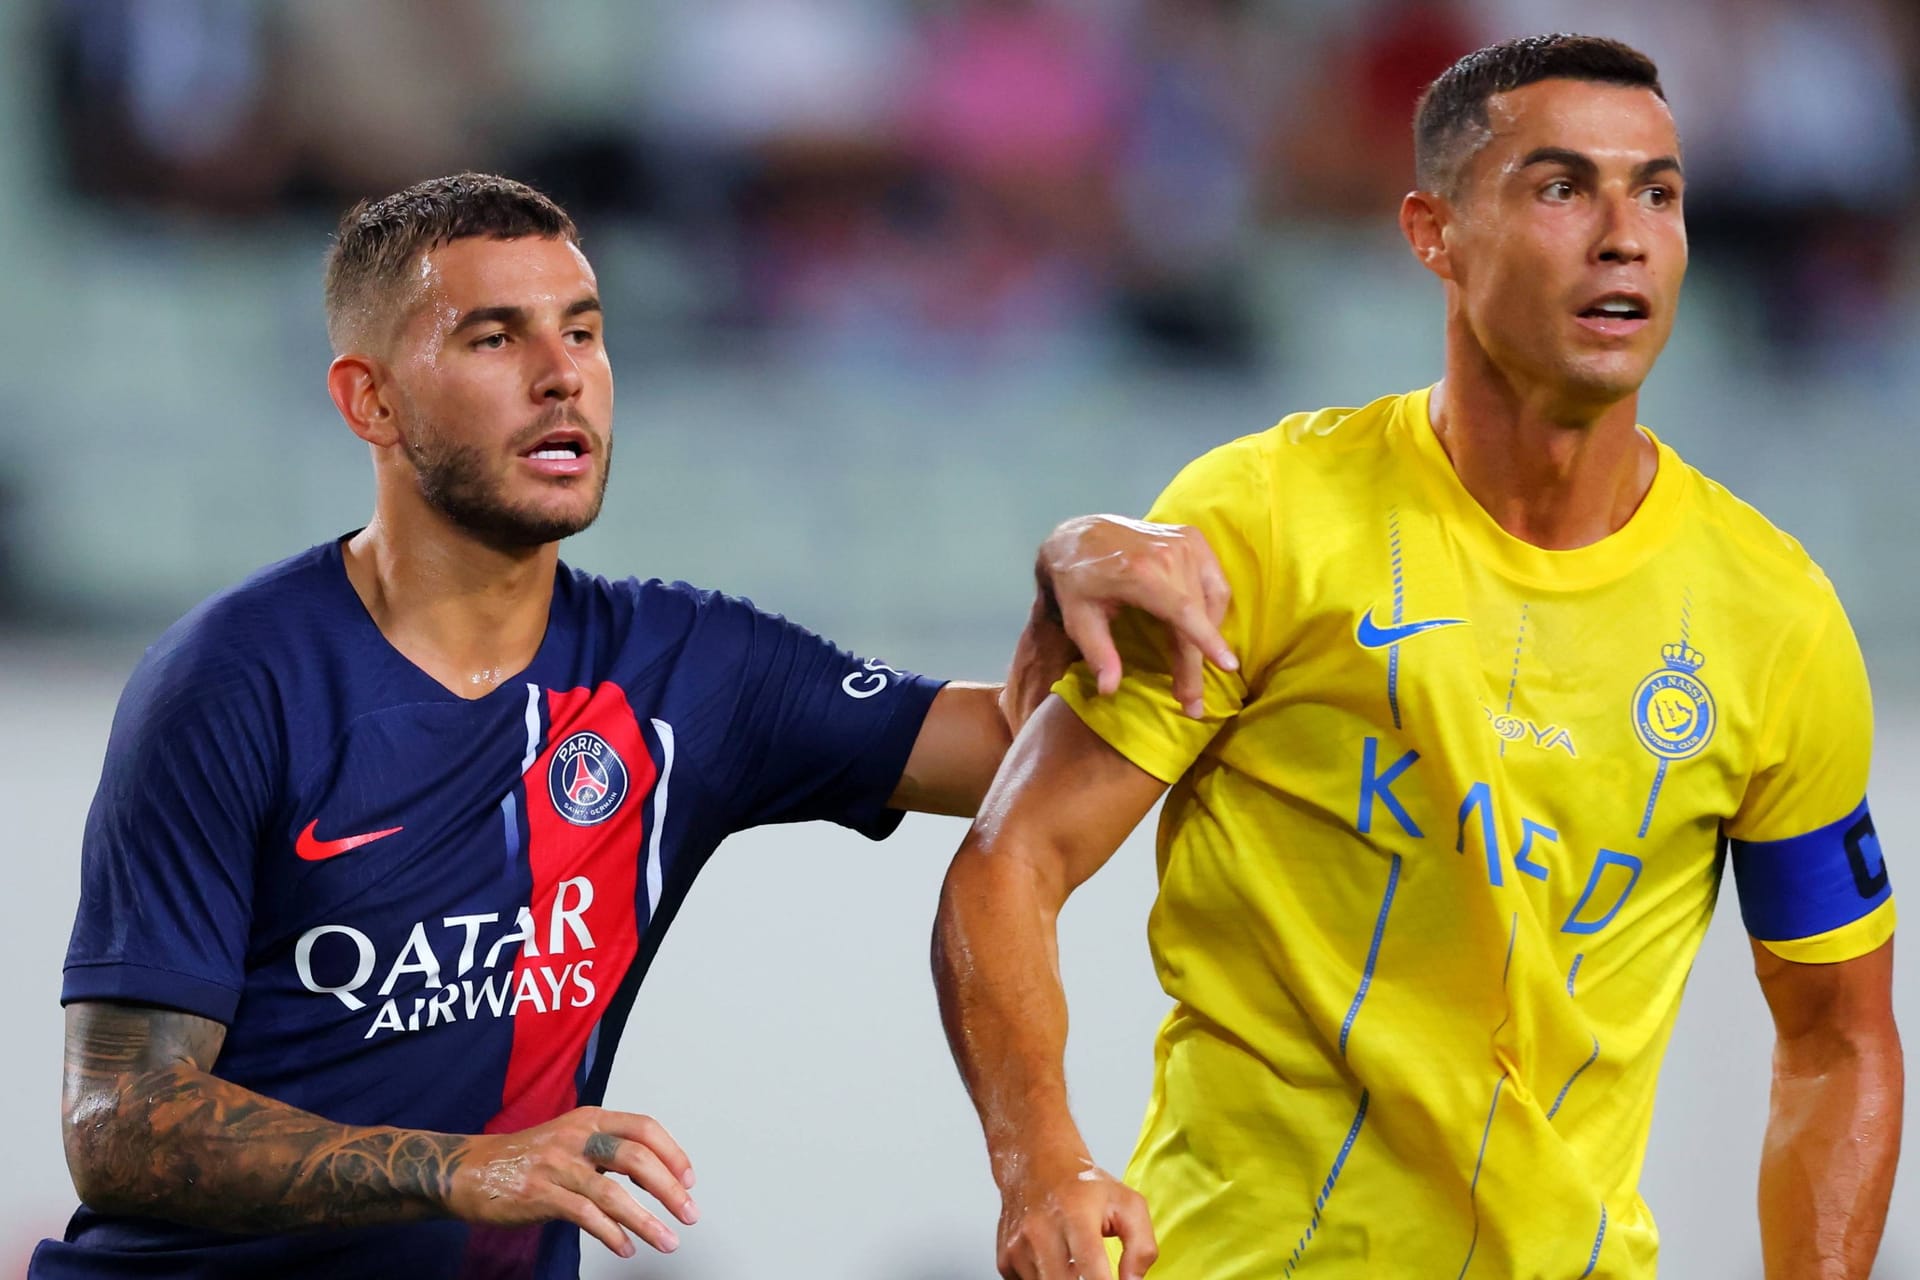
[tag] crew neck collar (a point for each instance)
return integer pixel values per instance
(1617, 554)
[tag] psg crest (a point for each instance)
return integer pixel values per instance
(587, 780)
(1672, 711)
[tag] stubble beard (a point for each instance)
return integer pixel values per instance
(454, 480)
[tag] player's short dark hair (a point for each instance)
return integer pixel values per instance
(1451, 122)
(378, 240)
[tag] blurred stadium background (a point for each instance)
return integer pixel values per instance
(891, 287)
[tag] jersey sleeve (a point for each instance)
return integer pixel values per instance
(167, 859)
(1813, 884)
(816, 733)
(1226, 495)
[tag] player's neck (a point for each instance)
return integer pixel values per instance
(469, 615)
(1555, 479)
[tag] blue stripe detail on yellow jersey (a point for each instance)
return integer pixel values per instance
(1373, 954)
(1593, 1259)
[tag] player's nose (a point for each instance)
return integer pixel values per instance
(1622, 237)
(557, 376)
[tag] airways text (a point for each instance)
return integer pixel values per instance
(340, 960)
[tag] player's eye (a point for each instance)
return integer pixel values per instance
(582, 336)
(492, 342)
(1560, 190)
(1659, 197)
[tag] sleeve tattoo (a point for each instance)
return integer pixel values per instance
(150, 1131)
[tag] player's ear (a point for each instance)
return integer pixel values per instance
(357, 387)
(1423, 220)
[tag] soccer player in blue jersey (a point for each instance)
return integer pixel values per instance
(387, 835)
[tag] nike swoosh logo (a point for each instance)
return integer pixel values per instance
(320, 850)
(1372, 635)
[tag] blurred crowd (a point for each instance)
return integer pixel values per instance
(979, 169)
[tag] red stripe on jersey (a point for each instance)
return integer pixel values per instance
(550, 1032)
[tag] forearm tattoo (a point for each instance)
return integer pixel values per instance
(149, 1131)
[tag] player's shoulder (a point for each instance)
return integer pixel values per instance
(1312, 459)
(1773, 565)
(1314, 445)
(636, 601)
(1300, 438)
(652, 614)
(247, 624)
(1338, 430)
(230, 653)
(1299, 472)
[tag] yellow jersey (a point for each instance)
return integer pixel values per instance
(1434, 867)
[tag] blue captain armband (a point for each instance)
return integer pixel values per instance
(1818, 898)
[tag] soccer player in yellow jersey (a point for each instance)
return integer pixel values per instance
(1513, 683)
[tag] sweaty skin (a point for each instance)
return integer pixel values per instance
(497, 345)
(1572, 198)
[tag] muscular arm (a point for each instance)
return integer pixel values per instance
(149, 1131)
(1062, 804)
(1833, 1136)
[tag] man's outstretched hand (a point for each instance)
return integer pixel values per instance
(558, 1170)
(1089, 569)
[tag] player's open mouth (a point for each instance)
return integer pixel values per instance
(1616, 314)
(561, 453)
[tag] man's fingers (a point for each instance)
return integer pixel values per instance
(1189, 616)
(647, 1170)
(1138, 1248)
(1214, 588)
(1036, 1249)
(653, 1135)
(1091, 630)
(589, 1217)
(1089, 1250)
(617, 1203)
(1050, 1255)
(1021, 1260)
(1193, 625)
(1189, 679)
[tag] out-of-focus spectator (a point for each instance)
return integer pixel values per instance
(1822, 175)
(238, 107)
(1186, 177)
(1349, 151)
(772, 126)
(1017, 106)
(735, 75)
(864, 172)
(169, 104)
(368, 66)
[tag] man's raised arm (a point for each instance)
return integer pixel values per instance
(1063, 802)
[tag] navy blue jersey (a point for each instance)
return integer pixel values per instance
(415, 909)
